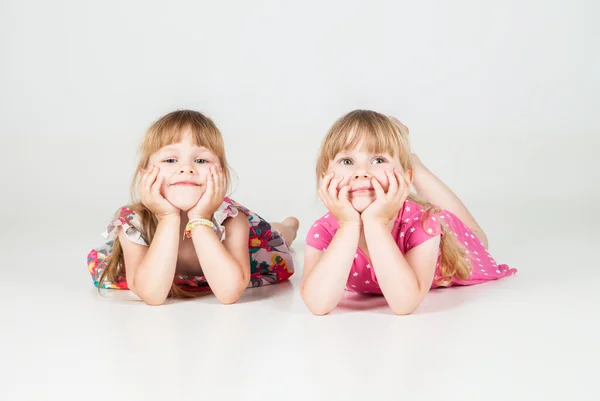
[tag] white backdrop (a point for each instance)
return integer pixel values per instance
(502, 98)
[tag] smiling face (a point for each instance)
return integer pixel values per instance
(185, 167)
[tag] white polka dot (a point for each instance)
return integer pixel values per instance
(416, 218)
(482, 270)
(429, 230)
(368, 266)
(442, 217)
(472, 236)
(315, 225)
(367, 282)
(498, 271)
(475, 252)
(353, 286)
(326, 216)
(355, 274)
(356, 256)
(412, 230)
(479, 260)
(407, 221)
(456, 235)
(316, 235)
(466, 243)
(433, 218)
(402, 234)
(480, 265)
(485, 274)
(407, 208)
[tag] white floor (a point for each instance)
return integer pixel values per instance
(533, 336)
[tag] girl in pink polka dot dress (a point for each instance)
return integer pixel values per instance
(376, 237)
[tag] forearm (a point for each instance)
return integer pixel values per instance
(154, 276)
(395, 276)
(226, 277)
(324, 285)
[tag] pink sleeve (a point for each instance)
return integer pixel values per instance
(319, 236)
(417, 232)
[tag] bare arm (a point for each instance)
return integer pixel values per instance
(326, 272)
(226, 264)
(404, 280)
(150, 270)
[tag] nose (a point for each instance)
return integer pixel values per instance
(186, 169)
(361, 173)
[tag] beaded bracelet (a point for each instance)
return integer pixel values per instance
(197, 222)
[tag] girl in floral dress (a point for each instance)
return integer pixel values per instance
(184, 237)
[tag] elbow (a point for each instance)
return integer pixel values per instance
(317, 307)
(153, 300)
(404, 310)
(232, 294)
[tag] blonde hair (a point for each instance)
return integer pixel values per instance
(378, 133)
(165, 131)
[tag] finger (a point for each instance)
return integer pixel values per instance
(155, 187)
(402, 180)
(325, 181)
(210, 183)
(333, 186)
(222, 180)
(144, 187)
(379, 192)
(393, 180)
(343, 195)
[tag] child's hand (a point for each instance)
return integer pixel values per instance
(337, 202)
(212, 198)
(387, 205)
(149, 189)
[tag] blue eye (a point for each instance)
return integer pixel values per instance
(201, 161)
(171, 160)
(379, 160)
(345, 162)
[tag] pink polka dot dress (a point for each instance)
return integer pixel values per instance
(410, 231)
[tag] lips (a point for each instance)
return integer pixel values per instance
(185, 184)
(362, 189)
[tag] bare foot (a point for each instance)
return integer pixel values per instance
(288, 228)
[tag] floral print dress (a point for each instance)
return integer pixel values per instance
(270, 258)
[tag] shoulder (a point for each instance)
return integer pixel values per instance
(417, 224)
(131, 224)
(321, 232)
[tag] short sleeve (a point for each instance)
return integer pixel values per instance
(132, 227)
(228, 208)
(319, 236)
(419, 230)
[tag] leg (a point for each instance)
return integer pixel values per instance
(431, 189)
(288, 229)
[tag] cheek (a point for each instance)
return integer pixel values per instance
(341, 171)
(382, 178)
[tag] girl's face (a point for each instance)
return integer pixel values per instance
(357, 167)
(185, 167)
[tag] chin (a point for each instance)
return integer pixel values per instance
(361, 204)
(182, 203)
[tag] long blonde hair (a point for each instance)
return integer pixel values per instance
(378, 133)
(165, 131)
